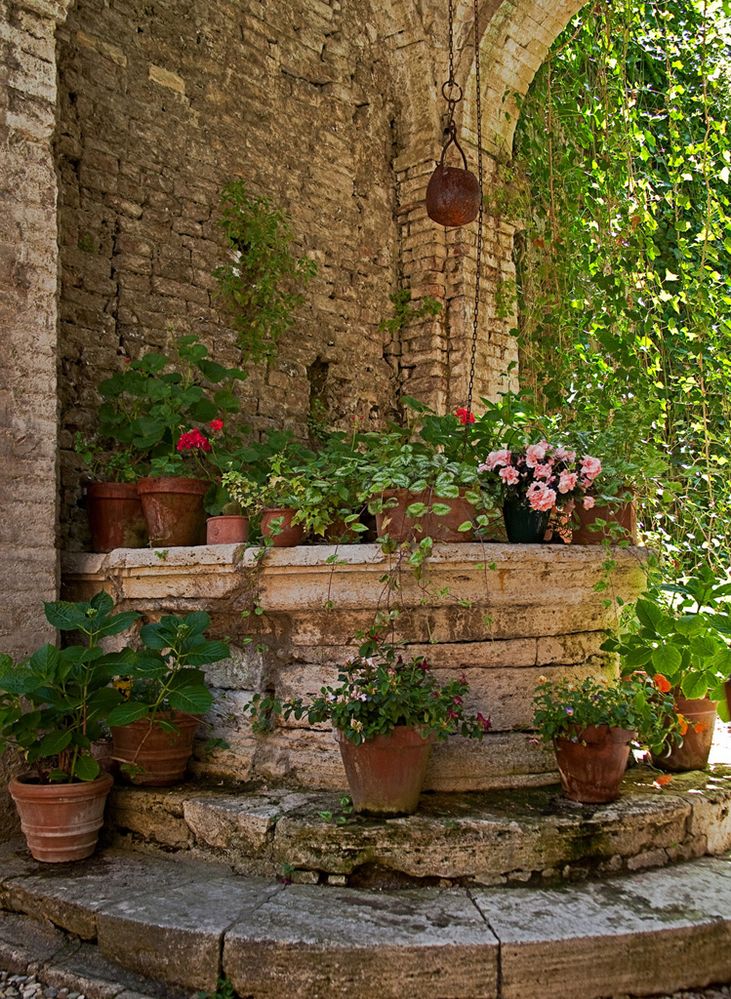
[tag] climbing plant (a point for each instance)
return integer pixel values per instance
(624, 284)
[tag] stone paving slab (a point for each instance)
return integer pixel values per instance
(640, 935)
(429, 942)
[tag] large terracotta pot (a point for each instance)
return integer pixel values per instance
(523, 525)
(592, 768)
(401, 526)
(227, 530)
(173, 508)
(700, 713)
(61, 822)
(115, 516)
(277, 525)
(586, 533)
(386, 774)
(162, 757)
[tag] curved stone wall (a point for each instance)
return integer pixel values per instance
(501, 614)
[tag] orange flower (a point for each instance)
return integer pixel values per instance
(683, 722)
(663, 780)
(662, 683)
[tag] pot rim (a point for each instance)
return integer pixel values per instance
(614, 733)
(400, 731)
(20, 787)
(172, 483)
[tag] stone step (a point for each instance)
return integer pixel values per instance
(188, 924)
(483, 838)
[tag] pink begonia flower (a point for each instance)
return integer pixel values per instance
(540, 497)
(509, 475)
(589, 502)
(543, 471)
(562, 454)
(590, 467)
(567, 482)
(535, 454)
(494, 459)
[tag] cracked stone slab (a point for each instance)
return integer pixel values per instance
(174, 933)
(648, 933)
(72, 895)
(317, 941)
(25, 943)
(221, 822)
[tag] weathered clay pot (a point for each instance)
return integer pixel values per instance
(161, 756)
(386, 774)
(173, 508)
(401, 526)
(115, 516)
(288, 535)
(444, 528)
(395, 521)
(693, 754)
(592, 769)
(523, 525)
(61, 822)
(227, 530)
(585, 533)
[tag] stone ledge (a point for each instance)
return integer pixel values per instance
(508, 836)
(601, 939)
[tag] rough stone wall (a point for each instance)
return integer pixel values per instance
(161, 103)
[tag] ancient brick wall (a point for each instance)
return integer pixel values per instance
(162, 103)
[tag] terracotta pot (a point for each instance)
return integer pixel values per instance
(592, 769)
(585, 533)
(340, 533)
(693, 754)
(523, 525)
(401, 526)
(386, 774)
(115, 516)
(173, 508)
(61, 822)
(288, 535)
(227, 530)
(728, 695)
(161, 756)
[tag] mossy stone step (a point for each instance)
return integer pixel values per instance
(481, 838)
(187, 923)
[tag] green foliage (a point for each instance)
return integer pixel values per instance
(258, 284)
(55, 704)
(224, 990)
(624, 285)
(166, 674)
(564, 708)
(377, 691)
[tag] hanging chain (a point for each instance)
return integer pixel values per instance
(451, 90)
(480, 216)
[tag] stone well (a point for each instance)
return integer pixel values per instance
(501, 614)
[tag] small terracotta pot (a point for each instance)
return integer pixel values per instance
(585, 533)
(61, 822)
(288, 535)
(227, 530)
(115, 516)
(161, 756)
(592, 769)
(523, 525)
(386, 774)
(173, 508)
(699, 712)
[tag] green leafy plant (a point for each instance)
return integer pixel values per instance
(166, 674)
(564, 708)
(258, 284)
(105, 465)
(55, 704)
(224, 990)
(377, 691)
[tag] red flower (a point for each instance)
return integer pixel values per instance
(193, 440)
(662, 683)
(486, 723)
(464, 415)
(216, 424)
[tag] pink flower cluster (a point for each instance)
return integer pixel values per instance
(193, 440)
(545, 475)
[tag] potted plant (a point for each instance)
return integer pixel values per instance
(592, 724)
(329, 505)
(113, 505)
(52, 709)
(387, 711)
(156, 407)
(536, 481)
(673, 634)
(166, 693)
(281, 497)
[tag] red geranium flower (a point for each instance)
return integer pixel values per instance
(464, 415)
(193, 440)
(216, 424)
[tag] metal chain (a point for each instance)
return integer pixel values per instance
(480, 216)
(451, 90)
